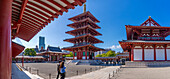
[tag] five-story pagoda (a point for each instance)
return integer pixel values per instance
(84, 31)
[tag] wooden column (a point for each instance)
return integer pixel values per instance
(73, 55)
(154, 52)
(165, 52)
(56, 57)
(132, 53)
(86, 55)
(143, 54)
(5, 39)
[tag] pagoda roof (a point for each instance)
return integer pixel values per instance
(88, 45)
(73, 32)
(72, 40)
(83, 14)
(94, 25)
(30, 16)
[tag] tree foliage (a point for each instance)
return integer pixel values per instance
(110, 53)
(30, 52)
(70, 55)
(99, 55)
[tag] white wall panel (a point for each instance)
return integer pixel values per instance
(160, 54)
(149, 54)
(168, 54)
(137, 54)
(83, 57)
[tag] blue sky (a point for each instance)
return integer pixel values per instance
(113, 16)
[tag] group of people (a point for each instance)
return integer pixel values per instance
(61, 70)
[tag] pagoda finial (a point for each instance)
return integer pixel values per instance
(149, 16)
(84, 7)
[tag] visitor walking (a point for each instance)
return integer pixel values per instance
(62, 70)
(58, 70)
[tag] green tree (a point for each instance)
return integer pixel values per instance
(30, 52)
(70, 55)
(110, 53)
(104, 55)
(99, 55)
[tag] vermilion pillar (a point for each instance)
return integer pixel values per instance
(5, 39)
(143, 54)
(132, 53)
(154, 52)
(165, 53)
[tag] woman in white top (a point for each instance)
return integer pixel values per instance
(62, 70)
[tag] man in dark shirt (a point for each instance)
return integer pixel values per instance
(58, 70)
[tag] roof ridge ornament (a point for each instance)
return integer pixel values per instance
(150, 22)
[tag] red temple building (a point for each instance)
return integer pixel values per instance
(84, 31)
(147, 42)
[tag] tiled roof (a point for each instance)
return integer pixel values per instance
(53, 49)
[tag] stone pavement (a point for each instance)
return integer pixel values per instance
(143, 73)
(99, 74)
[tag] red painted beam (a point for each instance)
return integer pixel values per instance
(28, 26)
(14, 9)
(79, 2)
(69, 5)
(39, 12)
(34, 22)
(31, 23)
(24, 3)
(24, 23)
(40, 7)
(21, 15)
(60, 6)
(26, 31)
(49, 6)
(49, 21)
(31, 16)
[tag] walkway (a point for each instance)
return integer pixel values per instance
(99, 74)
(17, 74)
(143, 73)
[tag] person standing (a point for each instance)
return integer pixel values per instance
(62, 70)
(58, 70)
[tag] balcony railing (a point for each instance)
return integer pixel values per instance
(83, 43)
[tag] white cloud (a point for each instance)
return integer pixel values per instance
(115, 47)
(118, 46)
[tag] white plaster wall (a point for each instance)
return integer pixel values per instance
(149, 54)
(75, 58)
(160, 54)
(87, 57)
(137, 54)
(83, 57)
(168, 54)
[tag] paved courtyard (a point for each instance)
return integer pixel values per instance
(51, 68)
(144, 73)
